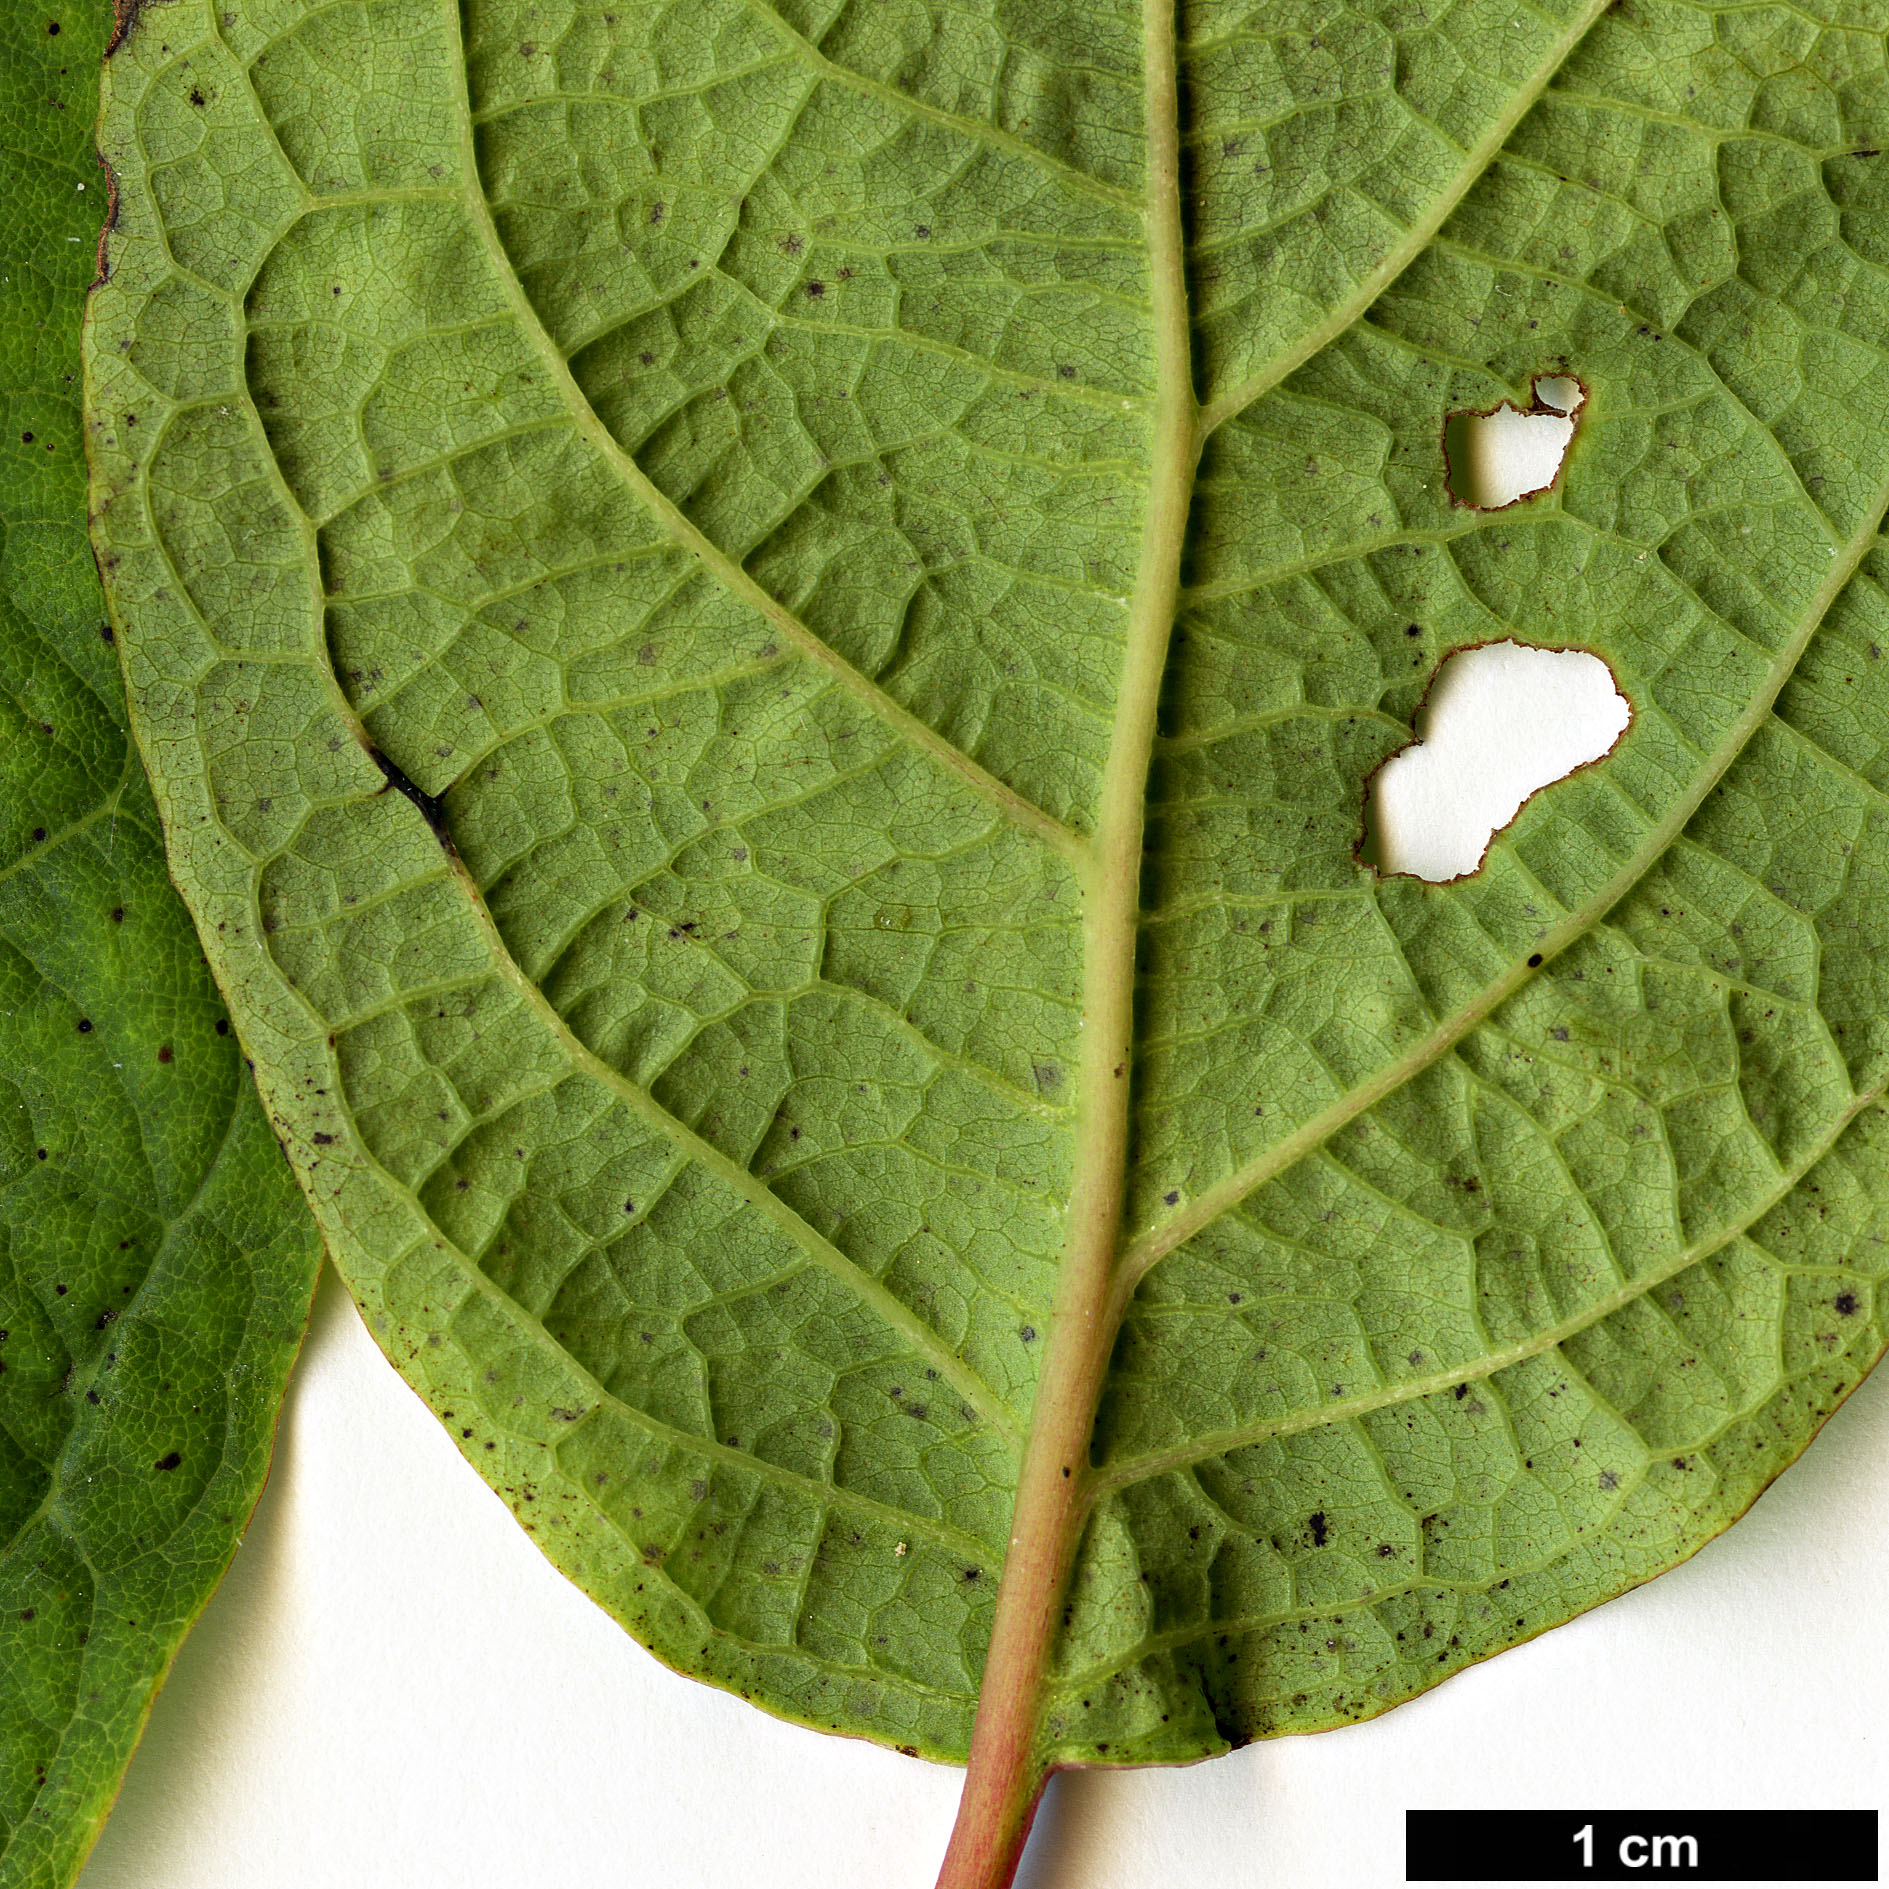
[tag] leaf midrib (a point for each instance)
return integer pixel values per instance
(1132, 1261)
(1053, 1497)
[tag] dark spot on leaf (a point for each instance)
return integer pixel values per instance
(169, 1461)
(432, 807)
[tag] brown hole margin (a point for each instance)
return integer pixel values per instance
(1369, 784)
(1536, 407)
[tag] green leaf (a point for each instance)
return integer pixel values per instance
(155, 1265)
(761, 628)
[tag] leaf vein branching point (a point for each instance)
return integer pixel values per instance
(952, 441)
(1538, 1344)
(1149, 1248)
(1024, 813)
(870, 1291)
(1236, 399)
(975, 129)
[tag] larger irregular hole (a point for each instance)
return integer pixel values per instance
(1493, 459)
(1501, 722)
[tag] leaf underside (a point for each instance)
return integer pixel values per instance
(155, 1262)
(624, 525)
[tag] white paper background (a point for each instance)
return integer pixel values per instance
(393, 1687)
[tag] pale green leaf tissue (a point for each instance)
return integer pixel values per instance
(702, 449)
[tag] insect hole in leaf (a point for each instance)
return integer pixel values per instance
(1506, 454)
(1501, 722)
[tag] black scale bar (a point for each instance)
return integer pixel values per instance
(1775, 1846)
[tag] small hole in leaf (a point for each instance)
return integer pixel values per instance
(1501, 722)
(1496, 458)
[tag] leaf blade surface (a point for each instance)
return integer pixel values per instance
(155, 1263)
(689, 480)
